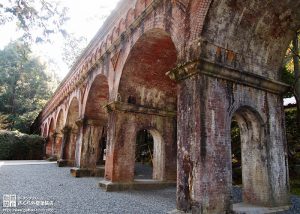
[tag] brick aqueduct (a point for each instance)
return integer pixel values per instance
(183, 70)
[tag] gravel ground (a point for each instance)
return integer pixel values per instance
(36, 183)
(76, 195)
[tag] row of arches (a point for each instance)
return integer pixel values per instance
(186, 124)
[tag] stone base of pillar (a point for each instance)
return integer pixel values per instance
(82, 172)
(248, 208)
(63, 163)
(138, 184)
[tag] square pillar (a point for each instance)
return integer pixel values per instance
(208, 97)
(124, 121)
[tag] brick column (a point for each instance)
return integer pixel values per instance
(65, 141)
(208, 97)
(124, 121)
(92, 133)
(58, 144)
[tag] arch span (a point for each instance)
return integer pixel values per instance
(95, 123)
(71, 132)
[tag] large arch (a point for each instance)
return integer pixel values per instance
(240, 50)
(60, 124)
(71, 132)
(247, 34)
(50, 141)
(146, 98)
(94, 123)
(144, 73)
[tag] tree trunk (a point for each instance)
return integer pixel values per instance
(297, 75)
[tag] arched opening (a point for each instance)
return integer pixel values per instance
(146, 97)
(70, 132)
(254, 156)
(50, 140)
(143, 155)
(149, 155)
(236, 153)
(59, 132)
(95, 125)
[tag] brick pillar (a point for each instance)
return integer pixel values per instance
(124, 121)
(58, 145)
(53, 139)
(92, 133)
(78, 134)
(65, 142)
(119, 158)
(208, 96)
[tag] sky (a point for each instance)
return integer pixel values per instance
(86, 17)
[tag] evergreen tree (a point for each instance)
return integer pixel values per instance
(24, 87)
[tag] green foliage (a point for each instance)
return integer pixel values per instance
(295, 186)
(17, 146)
(43, 17)
(293, 139)
(288, 78)
(72, 49)
(24, 87)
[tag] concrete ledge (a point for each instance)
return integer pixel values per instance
(83, 172)
(140, 184)
(243, 208)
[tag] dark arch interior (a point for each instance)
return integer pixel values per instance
(236, 153)
(144, 155)
(143, 80)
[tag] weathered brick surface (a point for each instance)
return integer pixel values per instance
(205, 110)
(122, 131)
(226, 58)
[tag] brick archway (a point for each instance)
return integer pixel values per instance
(255, 157)
(157, 153)
(60, 124)
(50, 141)
(147, 97)
(94, 125)
(70, 132)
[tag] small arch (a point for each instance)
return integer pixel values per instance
(50, 141)
(254, 156)
(149, 155)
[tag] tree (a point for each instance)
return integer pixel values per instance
(25, 87)
(73, 47)
(37, 19)
(291, 74)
